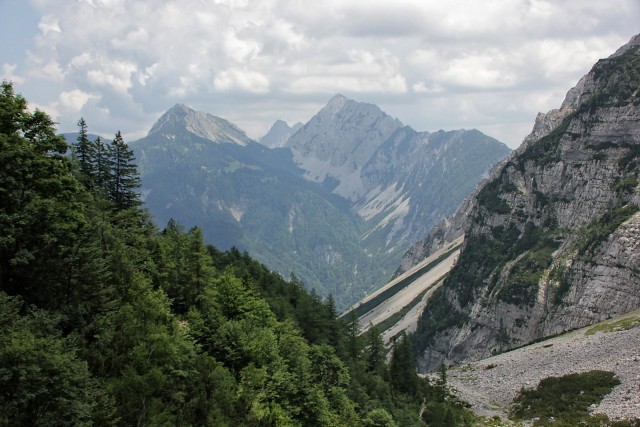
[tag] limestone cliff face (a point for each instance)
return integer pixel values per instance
(552, 238)
(399, 181)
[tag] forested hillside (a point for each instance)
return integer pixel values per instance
(105, 320)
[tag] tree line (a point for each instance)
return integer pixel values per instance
(105, 320)
(108, 167)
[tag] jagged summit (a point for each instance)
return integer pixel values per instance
(338, 141)
(361, 153)
(279, 133)
(181, 118)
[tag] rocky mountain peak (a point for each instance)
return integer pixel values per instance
(279, 133)
(339, 140)
(336, 103)
(576, 96)
(181, 118)
(551, 238)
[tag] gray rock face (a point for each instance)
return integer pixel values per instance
(180, 118)
(338, 141)
(279, 133)
(401, 182)
(552, 238)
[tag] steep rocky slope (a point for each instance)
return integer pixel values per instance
(278, 134)
(552, 238)
(400, 181)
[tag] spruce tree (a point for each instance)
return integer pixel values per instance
(376, 352)
(124, 179)
(403, 367)
(100, 164)
(83, 153)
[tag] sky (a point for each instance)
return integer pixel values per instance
(491, 65)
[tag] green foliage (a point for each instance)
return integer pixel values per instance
(564, 401)
(546, 150)
(378, 418)
(124, 179)
(617, 80)
(42, 215)
(619, 325)
(402, 368)
(627, 184)
(521, 286)
(489, 196)
(83, 154)
(438, 315)
(42, 380)
(563, 278)
(594, 234)
(106, 321)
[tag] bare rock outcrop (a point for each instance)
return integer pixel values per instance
(552, 238)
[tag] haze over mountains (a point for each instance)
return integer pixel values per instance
(337, 204)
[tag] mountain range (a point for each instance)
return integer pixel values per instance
(337, 203)
(547, 244)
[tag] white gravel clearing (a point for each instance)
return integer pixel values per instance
(490, 385)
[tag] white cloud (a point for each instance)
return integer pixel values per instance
(423, 87)
(76, 99)
(116, 75)
(8, 74)
(485, 70)
(245, 80)
(48, 24)
(359, 71)
(422, 60)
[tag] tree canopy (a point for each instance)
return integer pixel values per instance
(107, 321)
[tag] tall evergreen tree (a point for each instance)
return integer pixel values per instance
(125, 179)
(402, 368)
(376, 352)
(83, 153)
(100, 164)
(40, 211)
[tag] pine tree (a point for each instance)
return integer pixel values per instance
(124, 175)
(83, 153)
(100, 164)
(353, 340)
(402, 368)
(376, 352)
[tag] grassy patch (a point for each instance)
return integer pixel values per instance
(620, 325)
(565, 401)
(594, 234)
(521, 287)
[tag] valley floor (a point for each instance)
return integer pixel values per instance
(490, 385)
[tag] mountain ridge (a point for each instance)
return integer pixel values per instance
(550, 237)
(203, 125)
(202, 170)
